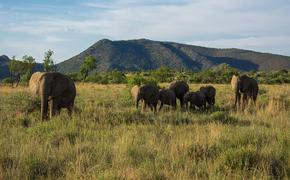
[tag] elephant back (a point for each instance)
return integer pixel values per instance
(209, 91)
(179, 88)
(60, 84)
(248, 84)
(149, 93)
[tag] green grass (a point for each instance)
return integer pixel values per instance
(110, 139)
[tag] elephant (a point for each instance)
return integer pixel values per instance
(167, 96)
(195, 99)
(149, 94)
(209, 92)
(179, 88)
(246, 86)
(54, 89)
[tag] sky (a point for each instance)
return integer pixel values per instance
(68, 26)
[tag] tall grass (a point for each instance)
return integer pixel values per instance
(110, 139)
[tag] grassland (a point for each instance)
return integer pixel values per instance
(110, 139)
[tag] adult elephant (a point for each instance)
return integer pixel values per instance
(179, 88)
(209, 92)
(246, 86)
(54, 88)
(149, 94)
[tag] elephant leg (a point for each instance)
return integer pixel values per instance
(70, 110)
(174, 105)
(237, 99)
(155, 107)
(54, 107)
(161, 105)
(254, 99)
(245, 100)
(137, 103)
(44, 107)
(151, 106)
(181, 102)
(186, 105)
(144, 105)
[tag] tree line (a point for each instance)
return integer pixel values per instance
(21, 71)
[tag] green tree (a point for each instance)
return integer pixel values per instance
(117, 77)
(16, 68)
(163, 74)
(28, 63)
(88, 65)
(48, 63)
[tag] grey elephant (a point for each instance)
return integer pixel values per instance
(246, 87)
(167, 96)
(55, 89)
(179, 88)
(149, 94)
(196, 99)
(209, 92)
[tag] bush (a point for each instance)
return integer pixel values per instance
(7, 80)
(140, 80)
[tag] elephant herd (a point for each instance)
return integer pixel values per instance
(242, 86)
(58, 91)
(151, 95)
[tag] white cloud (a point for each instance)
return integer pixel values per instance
(52, 39)
(264, 44)
(250, 24)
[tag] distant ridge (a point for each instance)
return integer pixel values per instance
(144, 54)
(4, 70)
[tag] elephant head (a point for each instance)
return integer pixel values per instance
(209, 92)
(179, 88)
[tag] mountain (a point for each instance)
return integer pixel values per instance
(143, 54)
(4, 70)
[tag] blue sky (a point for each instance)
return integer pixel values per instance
(68, 27)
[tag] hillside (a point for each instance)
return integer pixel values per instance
(4, 70)
(143, 54)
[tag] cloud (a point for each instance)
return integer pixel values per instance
(250, 24)
(262, 44)
(52, 39)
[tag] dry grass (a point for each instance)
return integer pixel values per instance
(109, 139)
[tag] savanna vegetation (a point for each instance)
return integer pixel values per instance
(107, 138)
(219, 75)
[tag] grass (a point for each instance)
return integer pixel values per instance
(110, 139)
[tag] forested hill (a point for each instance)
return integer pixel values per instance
(4, 70)
(143, 54)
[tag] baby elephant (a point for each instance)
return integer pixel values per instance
(195, 99)
(167, 96)
(209, 92)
